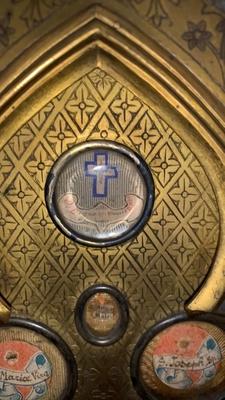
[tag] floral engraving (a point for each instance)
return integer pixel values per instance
(81, 106)
(221, 28)
(5, 29)
(155, 11)
(36, 11)
(102, 81)
(162, 15)
(197, 35)
(125, 107)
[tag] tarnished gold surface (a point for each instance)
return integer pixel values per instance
(174, 119)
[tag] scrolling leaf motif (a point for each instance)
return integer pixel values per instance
(5, 30)
(36, 11)
(217, 8)
(155, 10)
(162, 15)
(221, 28)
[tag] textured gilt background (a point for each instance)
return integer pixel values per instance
(43, 273)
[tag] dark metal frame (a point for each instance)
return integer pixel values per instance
(215, 319)
(102, 145)
(61, 345)
(82, 327)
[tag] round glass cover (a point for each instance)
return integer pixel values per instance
(100, 193)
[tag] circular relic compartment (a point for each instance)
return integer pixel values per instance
(101, 315)
(35, 363)
(100, 193)
(180, 358)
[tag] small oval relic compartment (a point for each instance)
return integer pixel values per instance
(35, 363)
(101, 315)
(100, 193)
(180, 358)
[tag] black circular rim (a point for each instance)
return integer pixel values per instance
(65, 158)
(148, 394)
(61, 345)
(117, 333)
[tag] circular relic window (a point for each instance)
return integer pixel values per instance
(100, 193)
(35, 363)
(180, 358)
(101, 315)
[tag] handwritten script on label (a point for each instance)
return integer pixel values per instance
(186, 356)
(24, 371)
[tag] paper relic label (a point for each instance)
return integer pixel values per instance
(100, 194)
(186, 356)
(25, 371)
(101, 313)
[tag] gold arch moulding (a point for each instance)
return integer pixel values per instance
(146, 70)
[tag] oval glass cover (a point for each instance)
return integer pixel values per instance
(101, 315)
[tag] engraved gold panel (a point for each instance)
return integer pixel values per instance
(43, 272)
